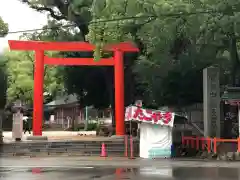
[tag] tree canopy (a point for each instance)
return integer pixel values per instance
(177, 39)
(20, 71)
(3, 80)
(3, 28)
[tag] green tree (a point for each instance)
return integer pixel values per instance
(3, 32)
(20, 71)
(78, 79)
(165, 37)
(76, 12)
(177, 39)
(3, 28)
(3, 82)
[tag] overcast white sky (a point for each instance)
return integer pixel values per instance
(19, 17)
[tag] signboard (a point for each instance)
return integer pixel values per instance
(211, 102)
(149, 116)
(52, 119)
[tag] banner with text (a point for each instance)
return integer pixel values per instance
(134, 113)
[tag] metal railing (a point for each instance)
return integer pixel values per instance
(210, 143)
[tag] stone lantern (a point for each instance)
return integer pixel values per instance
(17, 127)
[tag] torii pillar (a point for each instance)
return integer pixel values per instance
(40, 60)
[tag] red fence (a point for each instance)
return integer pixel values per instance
(202, 142)
(128, 140)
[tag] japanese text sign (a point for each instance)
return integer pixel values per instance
(149, 116)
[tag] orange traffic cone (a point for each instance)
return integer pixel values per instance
(103, 151)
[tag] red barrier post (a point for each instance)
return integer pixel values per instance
(215, 145)
(126, 145)
(192, 143)
(187, 142)
(208, 144)
(203, 143)
(197, 143)
(183, 140)
(131, 147)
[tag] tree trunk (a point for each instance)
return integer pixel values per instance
(110, 87)
(1, 129)
(113, 109)
(111, 91)
(129, 80)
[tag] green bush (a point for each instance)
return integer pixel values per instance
(92, 127)
(79, 127)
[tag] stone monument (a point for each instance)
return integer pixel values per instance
(211, 102)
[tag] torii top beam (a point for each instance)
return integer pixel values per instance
(67, 46)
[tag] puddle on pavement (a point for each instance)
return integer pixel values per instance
(100, 173)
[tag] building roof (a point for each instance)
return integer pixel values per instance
(64, 100)
(231, 94)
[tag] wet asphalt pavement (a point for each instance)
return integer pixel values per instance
(100, 173)
(115, 169)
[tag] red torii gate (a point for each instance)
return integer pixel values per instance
(40, 60)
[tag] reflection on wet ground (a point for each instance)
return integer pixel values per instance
(106, 173)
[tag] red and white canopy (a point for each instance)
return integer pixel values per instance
(134, 113)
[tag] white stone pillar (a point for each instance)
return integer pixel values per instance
(17, 128)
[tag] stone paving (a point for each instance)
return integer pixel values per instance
(63, 143)
(109, 161)
(106, 172)
(59, 135)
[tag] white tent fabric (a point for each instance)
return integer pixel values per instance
(155, 141)
(155, 131)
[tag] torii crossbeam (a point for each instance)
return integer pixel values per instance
(40, 60)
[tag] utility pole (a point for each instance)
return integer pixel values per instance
(86, 118)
